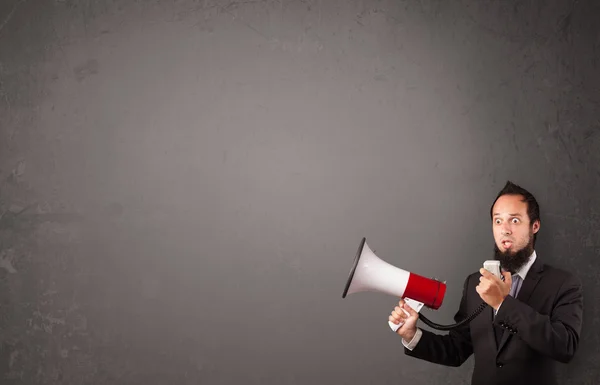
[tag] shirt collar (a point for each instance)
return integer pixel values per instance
(522, 272)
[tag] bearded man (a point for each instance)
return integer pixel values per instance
(535, 311)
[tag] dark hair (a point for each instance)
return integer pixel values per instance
(533, 208)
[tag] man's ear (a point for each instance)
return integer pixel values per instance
(536, 226)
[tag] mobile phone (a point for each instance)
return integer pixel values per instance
(493, 267)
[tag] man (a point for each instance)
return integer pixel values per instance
(534, 315)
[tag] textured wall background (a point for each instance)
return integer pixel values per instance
(184, 183)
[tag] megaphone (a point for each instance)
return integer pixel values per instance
(370, 273)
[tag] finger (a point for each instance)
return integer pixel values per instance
(392, 319)
(402, 316)
(488, 281)
(483, 289)
(487, 275)
(490, 276)
(400, 312)
(397, 315)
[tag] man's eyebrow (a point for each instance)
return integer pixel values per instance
(512, 215)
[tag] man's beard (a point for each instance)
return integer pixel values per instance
(513, 260)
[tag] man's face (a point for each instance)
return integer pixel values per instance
(513, 232)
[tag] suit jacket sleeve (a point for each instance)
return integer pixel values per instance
(556, 334)
(452, 349)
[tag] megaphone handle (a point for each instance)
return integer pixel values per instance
(394, 326)
(416, 305)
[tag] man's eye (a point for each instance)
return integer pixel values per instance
(515, 220)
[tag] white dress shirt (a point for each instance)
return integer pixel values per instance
(522, 273)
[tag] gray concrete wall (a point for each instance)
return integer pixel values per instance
(184, 183)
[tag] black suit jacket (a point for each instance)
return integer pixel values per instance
(540, 327)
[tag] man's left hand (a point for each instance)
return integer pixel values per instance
(492, 289)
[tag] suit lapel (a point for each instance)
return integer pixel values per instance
(533, 276)
(529, 284)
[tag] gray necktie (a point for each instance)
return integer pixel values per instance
(516, 286)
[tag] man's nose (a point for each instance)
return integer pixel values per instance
(506, 230)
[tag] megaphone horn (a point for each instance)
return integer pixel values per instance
(370, 273)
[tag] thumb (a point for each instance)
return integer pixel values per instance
(507, 277)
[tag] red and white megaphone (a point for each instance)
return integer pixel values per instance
(370, 273)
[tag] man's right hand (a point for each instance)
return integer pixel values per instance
(409, 328)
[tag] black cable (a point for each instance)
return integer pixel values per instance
(456, 325)
(470, 318)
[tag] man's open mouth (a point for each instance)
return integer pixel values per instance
(506, 244)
